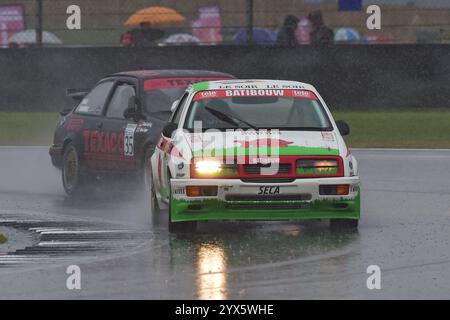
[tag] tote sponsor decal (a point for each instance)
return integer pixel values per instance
(288, 93)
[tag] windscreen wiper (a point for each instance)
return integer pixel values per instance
(227, 118)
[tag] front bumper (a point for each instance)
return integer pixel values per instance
(238, 200)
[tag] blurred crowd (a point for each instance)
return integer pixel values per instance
(308, 30)
(142, 23)
(294, 31)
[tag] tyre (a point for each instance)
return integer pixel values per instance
(149, 186)
(72, 177)
(180, 227)
(344, 224)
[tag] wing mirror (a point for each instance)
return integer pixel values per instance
(168, 129)
(343, 127)
(65, 112)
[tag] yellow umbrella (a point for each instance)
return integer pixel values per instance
(154, 15)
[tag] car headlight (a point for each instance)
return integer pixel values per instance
(208, 167)
(317, 166)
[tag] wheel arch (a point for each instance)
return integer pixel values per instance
(66, 142)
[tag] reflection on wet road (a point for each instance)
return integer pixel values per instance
(404, 229)
(257, 256)
(211, 272)
(239, 258)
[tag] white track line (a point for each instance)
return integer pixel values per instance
(65, 244)
(40, 230)
(84, 231)
(24, 147)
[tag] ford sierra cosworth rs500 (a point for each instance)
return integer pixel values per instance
(253, 150)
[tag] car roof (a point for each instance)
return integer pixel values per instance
(171, 73)
(251, 84)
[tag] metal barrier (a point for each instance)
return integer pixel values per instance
(348, 76)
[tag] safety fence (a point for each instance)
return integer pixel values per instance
(348, 76)
(29, 23)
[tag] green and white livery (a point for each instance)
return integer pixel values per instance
(253, 150)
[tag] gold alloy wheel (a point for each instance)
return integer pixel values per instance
(71, 169)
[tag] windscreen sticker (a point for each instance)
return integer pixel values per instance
(288, 93)
(167, 83)
(128, 141)
(83, 108)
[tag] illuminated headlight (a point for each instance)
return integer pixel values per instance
(317, 166)
(208, 167)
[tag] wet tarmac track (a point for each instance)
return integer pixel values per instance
(405, 229)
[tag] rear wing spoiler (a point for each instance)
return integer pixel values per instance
(77, 94)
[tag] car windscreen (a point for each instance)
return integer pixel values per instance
(258, 109)
(161, 100)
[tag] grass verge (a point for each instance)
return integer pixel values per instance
(384, 129)
(398, 129)
(27, 128)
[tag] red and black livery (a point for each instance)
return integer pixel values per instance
(117, 124)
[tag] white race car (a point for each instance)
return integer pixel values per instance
(253, 150)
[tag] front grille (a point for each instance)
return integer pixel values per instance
(230, 166)
(283, 168)
(267, 206)
(272, 197)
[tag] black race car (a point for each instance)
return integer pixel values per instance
(115, 126)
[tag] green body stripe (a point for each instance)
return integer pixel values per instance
(254, 151)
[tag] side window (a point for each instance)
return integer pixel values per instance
(95, 100)
(179, 110)
(119, 100)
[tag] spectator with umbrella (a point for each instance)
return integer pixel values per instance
(261, 36)
(28, 39)
(286, 36)
(146, 35)
(181, 39)
(320, 33)
(347, 35)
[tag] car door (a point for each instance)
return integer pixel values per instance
(118, 132)
(165, 147)
(87, 121)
